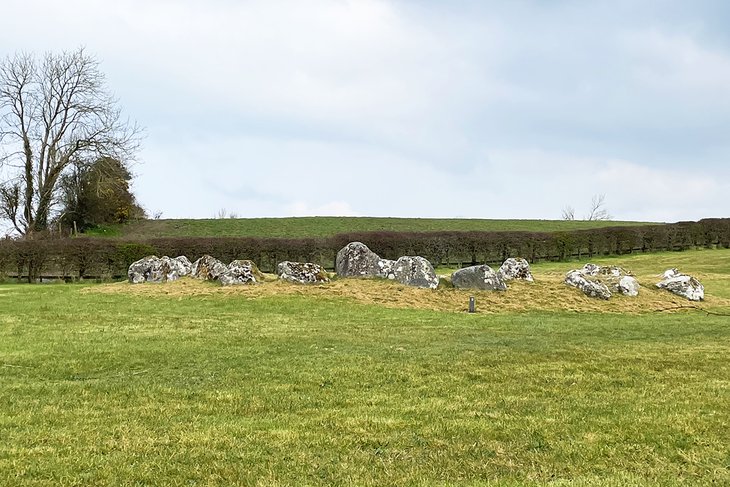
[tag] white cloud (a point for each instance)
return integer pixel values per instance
(676, 63)
(401, 108)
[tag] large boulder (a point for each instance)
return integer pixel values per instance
(241, 272)
(682, 285)
(591, 287)
(208, 268)
(415, 271)
(478, 277)
(140, 270)
(157, 269)
(616, 279)
(357, 260)
(515, 268)
(302, 273)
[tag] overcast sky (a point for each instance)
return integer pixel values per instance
(411, 108)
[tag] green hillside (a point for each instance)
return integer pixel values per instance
(323, 226)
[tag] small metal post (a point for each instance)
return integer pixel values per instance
(472, 304)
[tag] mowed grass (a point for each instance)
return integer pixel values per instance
(322, 226)
(139, 385)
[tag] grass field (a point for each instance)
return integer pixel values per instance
(327, 226)
(191, 384)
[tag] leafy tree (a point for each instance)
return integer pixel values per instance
(98, 193)
(54, 113)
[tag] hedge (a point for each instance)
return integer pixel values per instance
(107, 258)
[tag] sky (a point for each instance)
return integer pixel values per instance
(470, 109)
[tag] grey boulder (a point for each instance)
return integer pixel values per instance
(241, 272)
(357, 260)
(301, 272)
(590, 287)
(628, 286)
(157, 269)
(515, 268)
(140, 270)
(415, 271)
(208, 268)
(478, 277)
(184, 265)
(682, 285)
(613, 278)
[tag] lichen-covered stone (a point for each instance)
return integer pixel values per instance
(478, 277)
(140, 270)
(302, 272)
(590, 269)
(616, 279)
(590, 287)
(415, 271)
(628, 286)
(185, 266)
(682, 285)
(515, 268)
(157, 269)
(356, 260)
(241, 272)
(208, 268)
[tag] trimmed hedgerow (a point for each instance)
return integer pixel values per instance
(98, 257)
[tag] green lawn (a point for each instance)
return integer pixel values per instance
(327, 226)
(103, 386)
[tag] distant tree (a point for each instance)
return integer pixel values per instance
(598, 209)
(54, 113)
(568, 213)
(223, 214)
(596, 212)
(97, 194)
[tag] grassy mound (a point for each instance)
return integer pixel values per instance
(547, 293)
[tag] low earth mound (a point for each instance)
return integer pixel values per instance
(547, 293)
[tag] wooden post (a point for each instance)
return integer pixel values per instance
(472, 304)
(76, 232)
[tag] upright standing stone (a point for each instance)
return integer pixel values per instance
(415, 271)
(208, 268)
(357, 260)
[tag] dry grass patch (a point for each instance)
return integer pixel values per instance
(547, 293)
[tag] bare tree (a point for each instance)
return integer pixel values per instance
(53, 114)
(598, 209)
(568, 213)
(223, 214)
